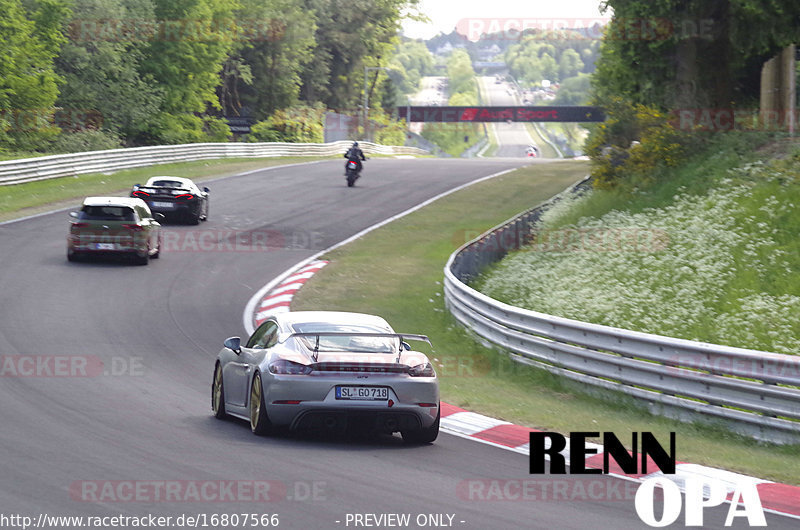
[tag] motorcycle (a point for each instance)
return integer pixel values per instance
(352, 172)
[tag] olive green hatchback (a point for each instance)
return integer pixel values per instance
(114, 226)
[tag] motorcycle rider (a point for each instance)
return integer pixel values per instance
(356, 155)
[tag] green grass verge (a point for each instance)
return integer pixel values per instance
(19, 200)
(396, 272)
(493, 143)
(573, 132)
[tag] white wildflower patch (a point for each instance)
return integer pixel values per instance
(680, 287)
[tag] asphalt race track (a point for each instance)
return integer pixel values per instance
(512, 138)
(147, 420)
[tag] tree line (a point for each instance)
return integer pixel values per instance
(143, 72)
(662, 59)
(694, 53)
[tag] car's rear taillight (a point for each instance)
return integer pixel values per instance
(186, 196)
(80, 225)
(141, 194)
(135, 228)
(284, 367)
(421, 370)
(287, 402)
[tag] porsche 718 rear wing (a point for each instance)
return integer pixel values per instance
(401, 336)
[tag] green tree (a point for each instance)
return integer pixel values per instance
(235, 74)
(185, 59)
(277, 58)
(554, 56)
(460, 75)
(574, 90)
(698, 53)
(102, 69)
(298, 124)
(350, 34)
(30, 36)
(411, 61)
(569, 64)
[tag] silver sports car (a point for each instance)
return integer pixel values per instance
(323, 370)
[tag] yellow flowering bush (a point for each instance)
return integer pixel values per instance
(632, 144)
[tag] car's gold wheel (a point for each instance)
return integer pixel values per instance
(259, 423)
(218, 394)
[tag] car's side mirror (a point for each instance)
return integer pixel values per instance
(406, 346)
(158, 216)
(74, 214)
(206, 189)
(136, 185)
(233, 343)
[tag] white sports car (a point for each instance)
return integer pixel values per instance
(323, 370)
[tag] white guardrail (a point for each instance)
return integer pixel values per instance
(751, 392)
(47, 167)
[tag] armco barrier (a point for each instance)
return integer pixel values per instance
(47, 167)
(751, 392)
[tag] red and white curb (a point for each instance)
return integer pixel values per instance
(778, 498)
(279, 298)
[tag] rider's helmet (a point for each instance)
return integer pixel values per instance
(355, 144)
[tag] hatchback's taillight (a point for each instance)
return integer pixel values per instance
(80, 225)
(187, 196)
(135, 228)
(141, 194)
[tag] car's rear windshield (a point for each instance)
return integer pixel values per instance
(346, 343)
(107, 213)
(167, 184)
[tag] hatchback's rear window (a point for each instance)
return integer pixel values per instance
(107, 213)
